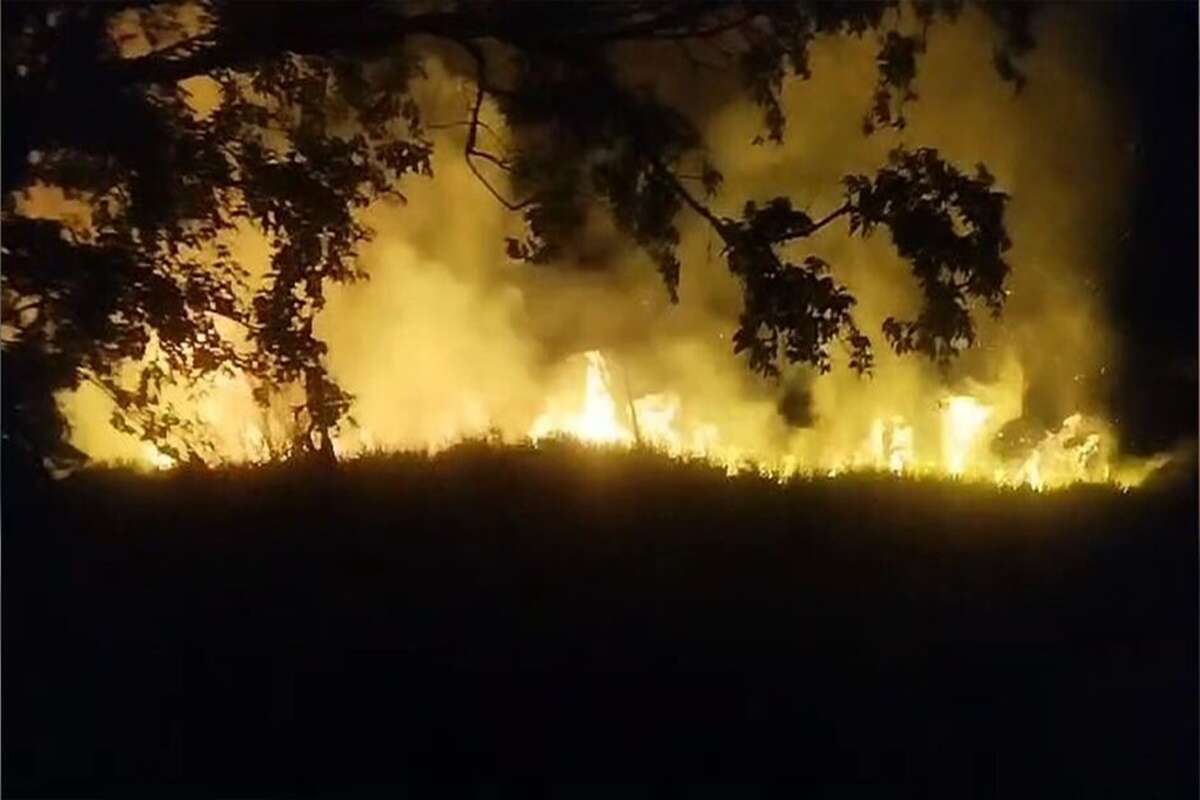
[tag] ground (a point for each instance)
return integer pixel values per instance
(574, 614)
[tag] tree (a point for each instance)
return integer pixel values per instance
(315, 120)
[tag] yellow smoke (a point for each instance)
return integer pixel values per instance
(449, 339)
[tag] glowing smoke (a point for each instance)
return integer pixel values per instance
(449, 339)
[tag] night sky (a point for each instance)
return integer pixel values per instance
(1154, 292)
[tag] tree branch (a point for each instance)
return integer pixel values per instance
(672, 26)
(352, 31)
(355, 31)
(816, 226)
(830, 217)
(470, 151)
(441, 126)
(720, 225)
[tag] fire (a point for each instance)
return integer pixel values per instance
(596, 421)
(1076, 451)
(1073, 450)
(652, 420)
(963, 421)
(448, 340)
(596, 411)
(891, 444)
(656, 418)
(153, 458)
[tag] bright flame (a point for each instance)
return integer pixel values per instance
(596, 421)
(653, 420)
(448, 340)
(1074, 452)
(153, 458)
(890, 443)
(1080, 449)
(963, 421)
(1031, 472)
(656, 418)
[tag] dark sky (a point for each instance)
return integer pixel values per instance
(1154, 298)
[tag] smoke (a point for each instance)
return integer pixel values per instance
(449, 338)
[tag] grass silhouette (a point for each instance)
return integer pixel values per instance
(571, 611)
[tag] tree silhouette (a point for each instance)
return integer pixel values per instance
(315, 120)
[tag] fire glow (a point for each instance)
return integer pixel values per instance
(1073, 453)
(1080, 450)
(450, 341)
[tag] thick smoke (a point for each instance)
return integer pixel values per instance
(449, 338)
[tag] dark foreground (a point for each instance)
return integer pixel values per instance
(571, 616)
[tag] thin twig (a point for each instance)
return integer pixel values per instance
(841, 210)
(659, 28)
(721, 226)
(470, 151)
(464, 123)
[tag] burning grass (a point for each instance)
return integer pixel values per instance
(960, 436)
(565, 493)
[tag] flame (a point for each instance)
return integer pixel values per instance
(890, 443)
(1079, 449)
(1030, 472)
(155, 459)
(652, 420)
(656, 417)
(1076, 451)
(596, 421)
(963, 421)
(448, 341)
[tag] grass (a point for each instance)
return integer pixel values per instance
(568, 611)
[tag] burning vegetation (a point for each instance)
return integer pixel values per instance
(561, 387)
(974, 440)
(344, 317)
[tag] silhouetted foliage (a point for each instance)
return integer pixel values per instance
(315, 121)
